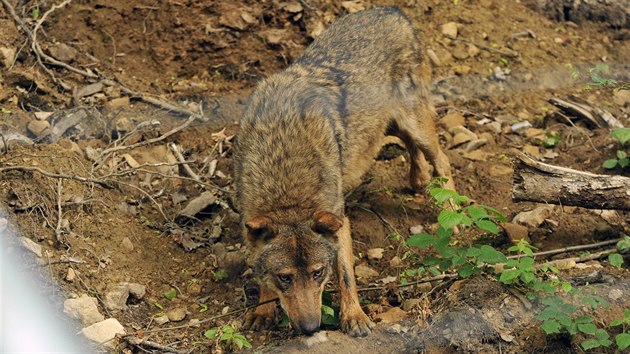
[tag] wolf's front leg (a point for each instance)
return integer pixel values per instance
(353, 320)
(265, 314)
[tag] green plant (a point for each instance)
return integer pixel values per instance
(228, 336)
(623, 136)
(170, 294)
(598, 76)
(623, 339)
(219, 275)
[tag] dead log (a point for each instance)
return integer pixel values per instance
(540, 182)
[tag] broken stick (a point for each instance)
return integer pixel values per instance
(540, 182)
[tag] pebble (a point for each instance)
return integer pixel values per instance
(364, 272)
(500, 74)
(104, 332)
(532, 150)
(127, 245)
(116, 299)
(461, 69)
(520, 126)
(38, 128)
(452, 120)
(475, 144)
(615, 294)
(117, 103)
(176, 314)
(83, 308)
(495, 127)
(622, 98)
(416, 229)
(6, 56)
(460, 52)
(473, 51)
(516, 232)
(70, 275)
(375, 253)
(534, 217)
(31, 246)
(450, 29)
(476, 155)
(63, 52)
(160, 320)
(395, 262)
(434, 58)
(392, 315)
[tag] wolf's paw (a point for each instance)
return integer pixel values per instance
(262, 318)
(356, 323)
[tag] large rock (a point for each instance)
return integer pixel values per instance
(83, 308)
(534, 217)
(104, 331)
(116, 298)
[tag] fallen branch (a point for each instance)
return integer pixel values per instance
(139, 342)
(573, 248)
(540, 182)
(582, 109)
(182, 160)
(101, 182)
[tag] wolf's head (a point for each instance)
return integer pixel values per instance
(295, 261)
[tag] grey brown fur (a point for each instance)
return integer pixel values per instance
(308, 134)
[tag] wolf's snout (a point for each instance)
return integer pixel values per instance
(308, 326)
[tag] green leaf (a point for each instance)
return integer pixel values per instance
(422, 240)
(211, 333)
(590, 344)
(442, 233)
(623, 340)
(508, 276)
(476, 212)
(610, 164)
(487, 225)
(623, 163)
(238, 342)
(490, 255)
(441, 195)
(621, 155)
(616, 323)
(624, 244)
(228, 329)
(615, 259)
(527, 277)
(327, 310)
(225, 337)
(158, 305)
(621, 134)
(497, 214)
(467, 270)
(587, 328)
(171, 294)
(449, 219)
(551, 327)
(601, 334)
(35, 13)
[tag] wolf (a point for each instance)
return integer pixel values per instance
(307, 135)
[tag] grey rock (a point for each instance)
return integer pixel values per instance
(83, 308)
(104, 332)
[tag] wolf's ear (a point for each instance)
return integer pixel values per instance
(325, 222)
(260, 228)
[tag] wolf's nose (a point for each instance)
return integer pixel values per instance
(309, 327)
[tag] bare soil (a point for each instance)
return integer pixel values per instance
(210, 54)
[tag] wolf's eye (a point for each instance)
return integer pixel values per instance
(318, 273)
(285, 278)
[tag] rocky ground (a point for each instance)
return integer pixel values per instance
(125, 202)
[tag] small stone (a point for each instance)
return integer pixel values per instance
(434, 58)
(89, 90)
(395, 262)
(460, 52)
(460, 139)
(395, 329)
(365, 273)
(533, 132)
(564, 264)
(461, 69)
(476, 155)
(495, 127)
(392, 315)
(103, 332)
(63, 52)
(31, 246)
(117, 103)
(500, 74)
(622, 98)
(416, 229)
(500, 170)
(532, 150)
(473, 51)
(194, 289)
(116, 299)
(112, 92)
(475, 144)
(516, 232)
(534, 217)
(521, 126)
(7, 55)
(452, 120)
(127, 245)
(70, 275)
(615, 294)
(38, 128)
(84, 308)
(450, 29)
(411, 304)
(160, 320)
(375, 253)
(176, 314)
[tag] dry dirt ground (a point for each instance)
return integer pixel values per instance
(126, 225)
